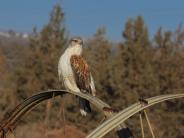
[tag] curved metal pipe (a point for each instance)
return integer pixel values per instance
(28, 104)
(122, 116)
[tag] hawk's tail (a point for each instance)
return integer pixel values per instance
(84, 106)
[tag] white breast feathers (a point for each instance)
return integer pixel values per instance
(65, 71)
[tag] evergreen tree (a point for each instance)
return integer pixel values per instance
(40, 68)
(98, 53)
(169, 66)
(138, 75)
(7, 98)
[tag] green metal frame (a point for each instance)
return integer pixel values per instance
(8, 124)
(114, 119)
(122, 116)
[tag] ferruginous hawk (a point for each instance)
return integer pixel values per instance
(75, 73)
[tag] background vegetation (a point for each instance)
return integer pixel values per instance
(123, 71)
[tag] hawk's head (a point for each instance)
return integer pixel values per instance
(75, 45)
(76, 41)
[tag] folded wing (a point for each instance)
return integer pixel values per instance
(81, 72)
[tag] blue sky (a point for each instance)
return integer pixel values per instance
(83, 17)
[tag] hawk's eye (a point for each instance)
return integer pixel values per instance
(75, 40)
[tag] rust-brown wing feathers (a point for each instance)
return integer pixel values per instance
(81, 72)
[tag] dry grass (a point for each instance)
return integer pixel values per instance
(41, 131)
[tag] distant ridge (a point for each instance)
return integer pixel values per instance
(12, 33)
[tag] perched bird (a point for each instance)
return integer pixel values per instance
(75, 73)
